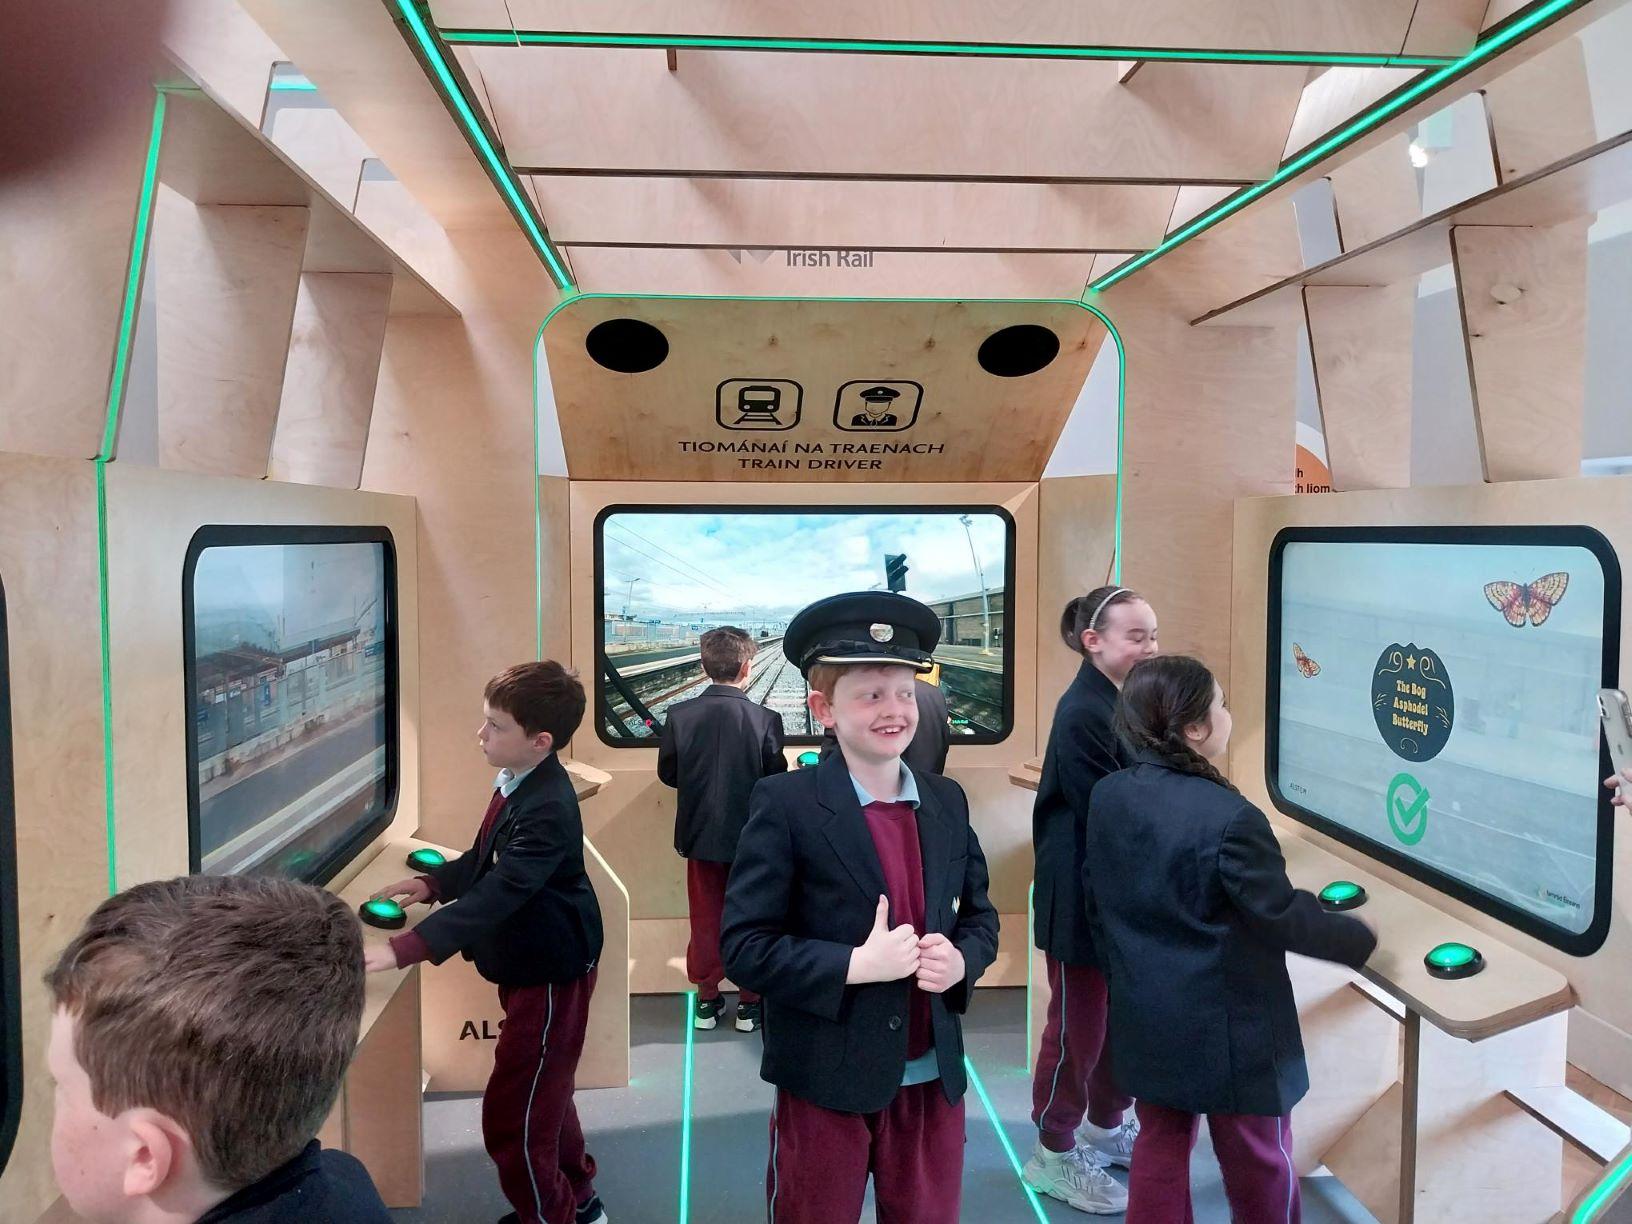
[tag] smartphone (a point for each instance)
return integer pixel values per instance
(1616, 712)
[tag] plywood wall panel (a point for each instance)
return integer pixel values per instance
(1523, 295)
(228, 277)
(328, 382)
(48, 565)
(1361, 342)
(152, 516)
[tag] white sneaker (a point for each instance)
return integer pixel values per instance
(1115, 1148)
(1077, 1178)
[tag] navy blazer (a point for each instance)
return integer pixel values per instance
(713, 749)
(802, 896)
(1193, 917)
(1083, 747)
(320, 1186)
(524, 910)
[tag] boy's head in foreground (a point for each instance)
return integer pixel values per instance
(529, 711)
(202, 1026)
(861, 654)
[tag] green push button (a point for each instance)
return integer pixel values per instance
(382, 912)
(1453, 960)
(1342, 895)
(425, 858)
(806, 759)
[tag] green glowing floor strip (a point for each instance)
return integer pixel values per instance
(1357, 127)
(128, 308)
(1003, 1138)
(690, 1000)
(967, 50)
(1604, 1192)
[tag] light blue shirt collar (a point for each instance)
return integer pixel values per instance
(908, 793)
(507, 781)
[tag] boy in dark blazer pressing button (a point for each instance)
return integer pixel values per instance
(857, 907)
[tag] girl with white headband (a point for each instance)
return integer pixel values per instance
(1112, 628)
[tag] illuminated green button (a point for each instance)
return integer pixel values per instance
(425, 858)
(1453, 960)
(806, 759)
(382, 912)
(1342, 895)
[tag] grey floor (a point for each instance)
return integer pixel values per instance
(635, 1134)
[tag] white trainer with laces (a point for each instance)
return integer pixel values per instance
(1114, 1147)
(1077, 1178)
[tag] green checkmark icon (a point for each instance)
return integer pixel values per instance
(1407, 808)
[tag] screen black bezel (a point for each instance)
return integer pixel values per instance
(228, 535)
(1576, 536)
(11, 1015)
(1010, 539)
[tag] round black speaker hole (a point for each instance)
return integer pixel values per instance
(629, 346)
(1017, 351)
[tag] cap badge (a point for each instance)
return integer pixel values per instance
(881, 633)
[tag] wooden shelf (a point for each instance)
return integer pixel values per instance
(210, 156)
(1027, 774)
(1576, 186)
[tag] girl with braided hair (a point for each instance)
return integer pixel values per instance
(1112, 628)
(1193, 916)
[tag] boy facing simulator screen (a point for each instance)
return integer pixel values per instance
(1431, 702)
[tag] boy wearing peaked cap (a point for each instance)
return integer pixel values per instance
(857, 908)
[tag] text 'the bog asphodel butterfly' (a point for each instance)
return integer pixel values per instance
(1306, 665)
(1535, 600)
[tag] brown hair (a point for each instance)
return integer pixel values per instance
(541, 696)
(823, 678)
(1160, 698)
(230, 1004)
(1087, 612)
(725, 650)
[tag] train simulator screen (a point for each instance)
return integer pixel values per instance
(668, 573)
(1432, 702)
(11, 1022)
(291, 666)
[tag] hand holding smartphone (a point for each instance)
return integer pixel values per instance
(1616, 713)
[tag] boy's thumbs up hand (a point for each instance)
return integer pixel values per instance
(888, 955)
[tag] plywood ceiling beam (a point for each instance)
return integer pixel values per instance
(675, 212)
(1324, 25)
(787, 113)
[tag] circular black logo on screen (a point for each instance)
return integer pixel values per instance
(1412, 701)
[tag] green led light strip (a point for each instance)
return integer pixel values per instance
(966, 50)
(1003, 1138)
(288, 85)
(117, 380)
(685, 1110)
(1357, 127)
(1121, 416)
(430, 50)
(1605, 1191)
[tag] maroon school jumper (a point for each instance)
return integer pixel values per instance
(820, 1158)
(705, 896)
(529, 1123)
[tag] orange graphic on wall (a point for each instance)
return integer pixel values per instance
(1313, 475)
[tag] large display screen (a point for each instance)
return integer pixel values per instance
(291, 674)
(665, 574)
(1432, 702)
(11, 1021)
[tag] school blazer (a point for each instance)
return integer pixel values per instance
(1193, 917)
(1082, 749)
(930, 742)
(802, 895)
(713, 749)
(524, 911)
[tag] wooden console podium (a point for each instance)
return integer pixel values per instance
(1431, 1100)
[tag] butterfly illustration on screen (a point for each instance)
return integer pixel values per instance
(1536, 600)
(1306, 665)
